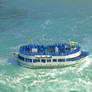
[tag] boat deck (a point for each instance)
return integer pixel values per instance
(54, 50)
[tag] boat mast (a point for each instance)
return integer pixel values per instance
(31, 40)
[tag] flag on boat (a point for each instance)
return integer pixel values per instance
(73, 44)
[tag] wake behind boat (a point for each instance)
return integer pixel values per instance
(51, 56)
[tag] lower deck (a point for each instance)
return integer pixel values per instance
(52, 63)
(53, 59)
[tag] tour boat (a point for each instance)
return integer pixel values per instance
(51, 56)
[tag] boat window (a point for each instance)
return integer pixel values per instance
(61, 60)
(72, 59)
(28, 60)
(54, 60)
(21, 58)
(36, 60)
(43, 60)
(48, 60)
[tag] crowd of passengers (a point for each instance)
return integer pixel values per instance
(63, 49)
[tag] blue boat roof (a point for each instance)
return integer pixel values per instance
(54, 50)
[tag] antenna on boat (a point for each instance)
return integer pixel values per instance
(31, 40)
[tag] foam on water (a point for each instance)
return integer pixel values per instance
(3, 61)
(39, 79)
(86, 64)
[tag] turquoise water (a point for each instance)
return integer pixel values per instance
(46, 22)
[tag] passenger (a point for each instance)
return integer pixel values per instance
(27, 49)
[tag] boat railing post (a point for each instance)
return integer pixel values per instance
(46, 61)
(31, 40)
(32, 60)
(65, 59)
(51, 60)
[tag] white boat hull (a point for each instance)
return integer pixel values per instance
(50, 64)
